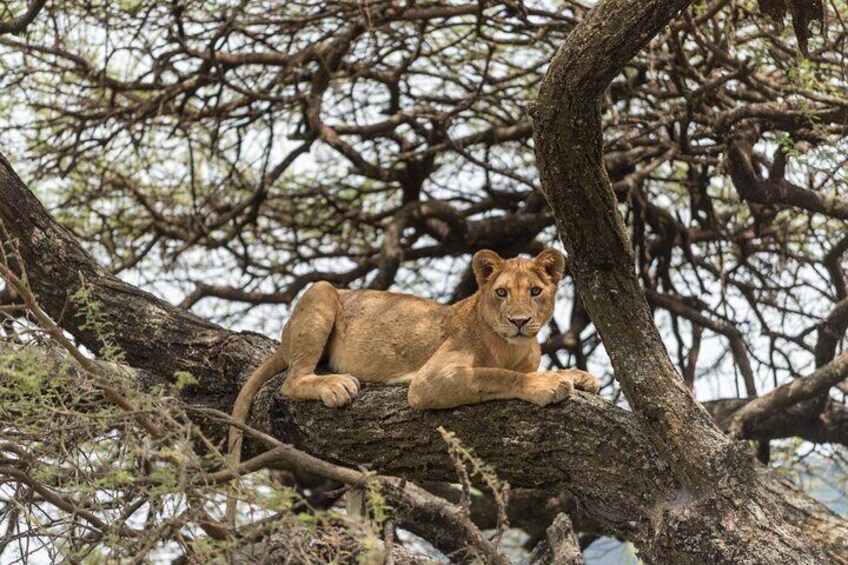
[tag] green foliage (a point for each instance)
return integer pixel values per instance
(468, 465)
(377, 508)
(183, 379)
(67, 438)
(90, 311)
(787, 145)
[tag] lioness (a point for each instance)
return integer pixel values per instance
(479, 349)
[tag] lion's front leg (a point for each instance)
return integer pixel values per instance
(452, 385)
(332, 390)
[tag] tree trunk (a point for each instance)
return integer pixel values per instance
(722, 513)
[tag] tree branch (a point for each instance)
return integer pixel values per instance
(560, 547)
(714, 471)
(777, 400)
(751, 187)
(19, 24)
(568, 153)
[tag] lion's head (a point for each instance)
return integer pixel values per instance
(517, 295)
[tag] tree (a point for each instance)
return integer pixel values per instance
(198, 93)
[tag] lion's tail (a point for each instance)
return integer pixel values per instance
(241, 407)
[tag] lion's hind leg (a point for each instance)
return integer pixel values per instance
(332, 390)
(316, 315)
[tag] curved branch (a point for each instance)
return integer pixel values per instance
(831, 331)
(569, 151)
(715, 472)
(779, 191)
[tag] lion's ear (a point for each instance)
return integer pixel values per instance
(552, 262)
(485, 264)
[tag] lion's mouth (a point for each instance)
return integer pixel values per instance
(521, 334)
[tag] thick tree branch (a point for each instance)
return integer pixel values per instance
(831, 331)
(806, 420)
(568, 154)
(714, 471)
(753, 188)
(560, 547)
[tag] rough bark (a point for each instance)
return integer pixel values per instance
(806, 420)
(723, 512)
(586, 446)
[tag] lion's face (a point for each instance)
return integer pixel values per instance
(517, 295)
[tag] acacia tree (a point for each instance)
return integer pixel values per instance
(415, 120)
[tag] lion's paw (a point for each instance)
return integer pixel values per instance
(547, 387)
(338, 390)
(583, 380)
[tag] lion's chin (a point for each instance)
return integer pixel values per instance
(519, 338)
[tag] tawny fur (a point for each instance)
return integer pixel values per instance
(482, 348)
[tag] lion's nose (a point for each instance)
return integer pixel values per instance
(518, 322)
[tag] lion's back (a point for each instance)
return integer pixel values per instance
(386, 334)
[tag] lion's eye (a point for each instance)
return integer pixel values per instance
(501, 292)
(535, 291)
